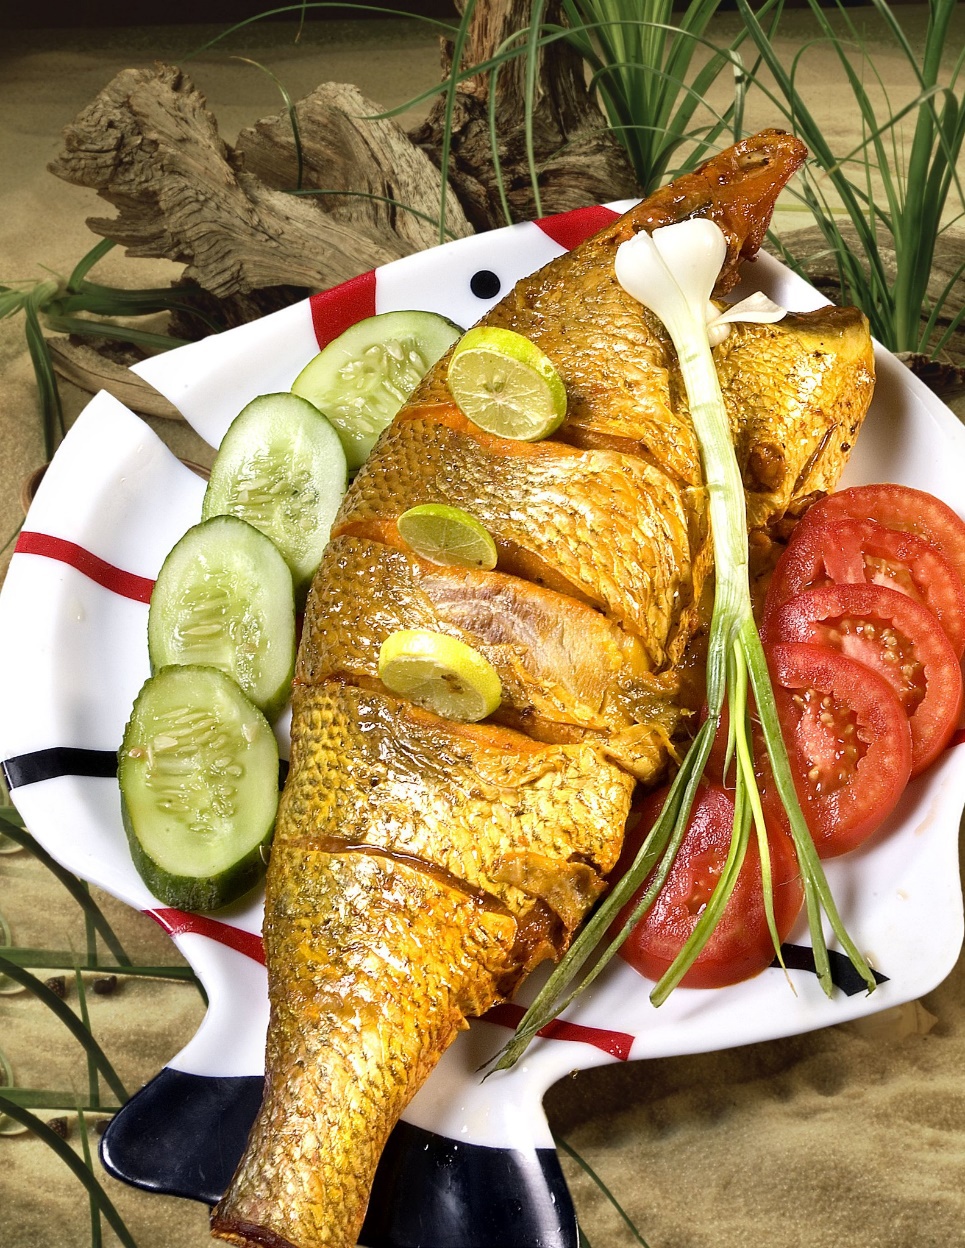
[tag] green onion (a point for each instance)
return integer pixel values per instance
(673, 273)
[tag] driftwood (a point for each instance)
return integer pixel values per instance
(149, 146)
(94, 370)
(258, 225)
(577, 158)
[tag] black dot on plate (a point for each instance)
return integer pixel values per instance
(484, 284)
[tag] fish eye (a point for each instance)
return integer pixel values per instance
(485, 284)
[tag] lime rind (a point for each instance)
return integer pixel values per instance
(447, 536)
(506, 385)
(440, 673)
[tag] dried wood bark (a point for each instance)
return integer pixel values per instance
(577, 158)
(93, 370)
(148, 145)
(373, 178)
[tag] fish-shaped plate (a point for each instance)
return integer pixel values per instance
(472, 1165)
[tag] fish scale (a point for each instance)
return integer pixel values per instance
(565, 669)
(796, 394)
(357, 938)
(612, 526)
(496, 793)
(422, 866)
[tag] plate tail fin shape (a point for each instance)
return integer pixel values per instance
(421, 867)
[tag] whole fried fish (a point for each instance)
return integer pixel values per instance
(422, 867)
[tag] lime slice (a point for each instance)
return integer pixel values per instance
(362, 378)
(506, 385)
(447, 535)
(440, 673)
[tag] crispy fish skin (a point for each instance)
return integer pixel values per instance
(567, 672)
(797, 393)
(421, 867)
(408, 891)
(613, 355)
(466, 799)
(613, 527)
(376, 964)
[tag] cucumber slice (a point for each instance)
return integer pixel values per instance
(224, 598)
(362, 378)
(281, 467)
(198, 773)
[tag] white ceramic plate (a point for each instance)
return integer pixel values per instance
(73, 654)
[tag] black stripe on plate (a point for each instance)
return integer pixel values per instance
(843, 974)
(68, 760)
(451, 1194)
(183, 1135)
(59, 760)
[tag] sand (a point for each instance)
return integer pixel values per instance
(851, 1135)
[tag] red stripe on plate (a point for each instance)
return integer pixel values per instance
(616, 1043)
(569, 229)
(127, 584)
(181, 923)
(336, 310)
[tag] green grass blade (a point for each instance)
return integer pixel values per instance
(93, 1084)
(382, 199)
(70, 1020)
(290, 110)
(442, 26)
(529, 97)
(52, 1099)
(493, 125)
(74, 1163)
(116, 333)
(96, 1238)
(68, 960)
(587, 1169)
(458, 44)
(72, 885)
(52, 415)
(86, 263)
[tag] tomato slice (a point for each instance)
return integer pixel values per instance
(899, 639)
(848, 742)
(853, 551)
(740, 945)
(899, 507)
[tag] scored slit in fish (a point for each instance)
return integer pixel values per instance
(421, 868)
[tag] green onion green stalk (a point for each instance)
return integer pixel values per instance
(672, 272)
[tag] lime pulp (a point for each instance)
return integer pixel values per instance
(440, 674)
(448, 536)
(506, 385)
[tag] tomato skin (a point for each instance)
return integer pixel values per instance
(740, 946)
(896, 637)
(844, 799)
(850, 551)
(899, 507)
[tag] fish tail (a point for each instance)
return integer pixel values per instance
(378, 961)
